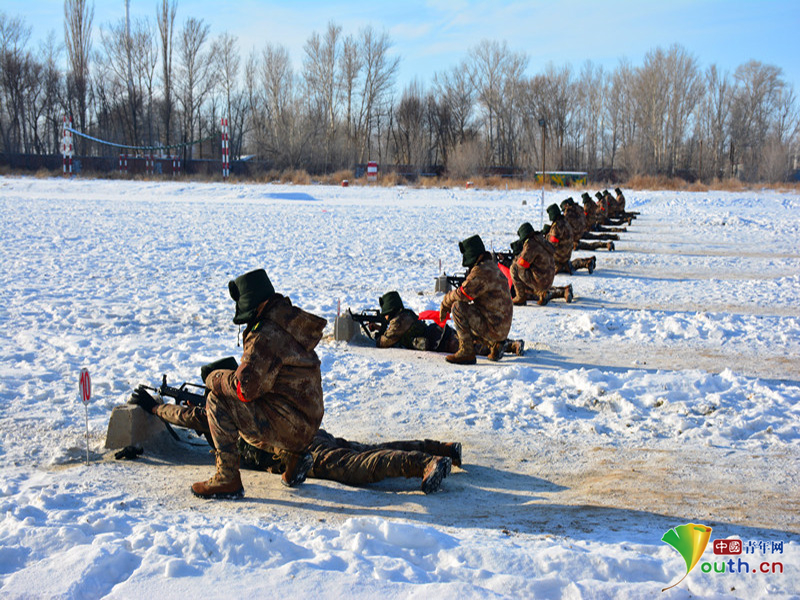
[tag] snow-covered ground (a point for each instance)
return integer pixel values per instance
(667, 393)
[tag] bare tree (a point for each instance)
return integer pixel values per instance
(78, 17)
(379, 73)
(756, 98)
(227, 62)
(166, 27)
(14, 64)
(497, 74)
(714, 115)
(350, 67)
(193, 69)
(455, 94)
(322, 55)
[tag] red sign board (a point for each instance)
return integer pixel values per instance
(85, 386)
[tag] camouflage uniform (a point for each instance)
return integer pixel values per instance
(404, 330)
(577, 220)
(335, 459)
(481, 307)
(534, 269)
(354, 463)
(274, 398)
(561, 237)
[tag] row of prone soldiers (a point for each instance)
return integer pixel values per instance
(482, 308)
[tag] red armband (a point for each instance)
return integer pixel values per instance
(461, 289)
(553, 239)
(523, 263)
(239, 392)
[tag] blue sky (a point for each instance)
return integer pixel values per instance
(434, 35)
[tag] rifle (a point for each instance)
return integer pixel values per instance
(504, 258)
(368, 317)
(181, 394)
(456, 280)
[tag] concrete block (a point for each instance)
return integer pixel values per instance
(442, 285)
(343, 328)
(130, 425)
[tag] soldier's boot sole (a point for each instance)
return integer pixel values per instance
(296, 474)
(436, 470)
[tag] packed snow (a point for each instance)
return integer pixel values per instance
(667, 393)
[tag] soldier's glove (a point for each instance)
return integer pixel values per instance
(140, 397)
(374, 326)
(129, 453)
(443, 312)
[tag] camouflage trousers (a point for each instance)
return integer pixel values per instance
(269, 423)
(354, 463)
(470, 324)
(336, 459)
(527, 285)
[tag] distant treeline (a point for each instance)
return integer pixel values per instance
(161, 83)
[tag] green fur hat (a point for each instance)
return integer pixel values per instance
(471, 248)
(391, 303)
(553, 212)
(524, 231)
(249, 291)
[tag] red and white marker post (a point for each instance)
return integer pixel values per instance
(85, 393)
(67, 149)
(226, 162)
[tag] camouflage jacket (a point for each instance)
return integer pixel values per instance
(614, 207)
(562, 237)
(279, 364)
(577, 221)
(590, 212)
(487, 289)
(402, 330)
(621, 202)
(535, 265)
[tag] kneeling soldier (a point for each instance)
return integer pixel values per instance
(534, 269)
(481, 307)
(273, 400)
(405, 329)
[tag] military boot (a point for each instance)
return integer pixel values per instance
(611, 247)
(518, 300)
(544, 298)
(452, 450)
(568, 294)
(297, 465)
(437, 468)
(225, 483)
(515, 347)
(465, 354)
(496, 350)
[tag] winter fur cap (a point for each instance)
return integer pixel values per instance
(524, 231)
(391, 303)
(599, 195)
(553, 212)
(249, 291)
(471, 248)
(619, 191)
(586, 198)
